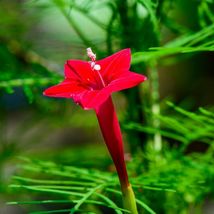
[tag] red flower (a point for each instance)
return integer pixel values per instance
(91, 83)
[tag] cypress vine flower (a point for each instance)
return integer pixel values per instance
(90, 85)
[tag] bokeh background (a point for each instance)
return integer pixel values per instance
(38, 36)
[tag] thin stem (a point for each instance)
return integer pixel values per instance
(89, 194)
(74, 25)
(109, 29)
(155, 106)
(90, 17)
(129, 201)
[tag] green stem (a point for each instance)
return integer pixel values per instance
(74, 25)
(129, 201)
(155, 106)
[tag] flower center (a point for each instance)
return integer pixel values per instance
(96, 69)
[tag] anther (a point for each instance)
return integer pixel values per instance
(92, 64)
(91, 55)
(97, 67)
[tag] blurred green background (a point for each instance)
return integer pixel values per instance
(167, 122)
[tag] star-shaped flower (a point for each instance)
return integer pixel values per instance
(91, 83)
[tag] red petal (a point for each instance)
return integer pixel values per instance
(115, 64)
(126, 80)
(91, 99)
(78, 69)
(65, 89)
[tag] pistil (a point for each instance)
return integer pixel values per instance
(95, 67)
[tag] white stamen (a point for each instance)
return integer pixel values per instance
(90, 54)
(97, 67)
(92, 64)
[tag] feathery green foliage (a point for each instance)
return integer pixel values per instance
(171, 165)
(78, 186)
(182, 126)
